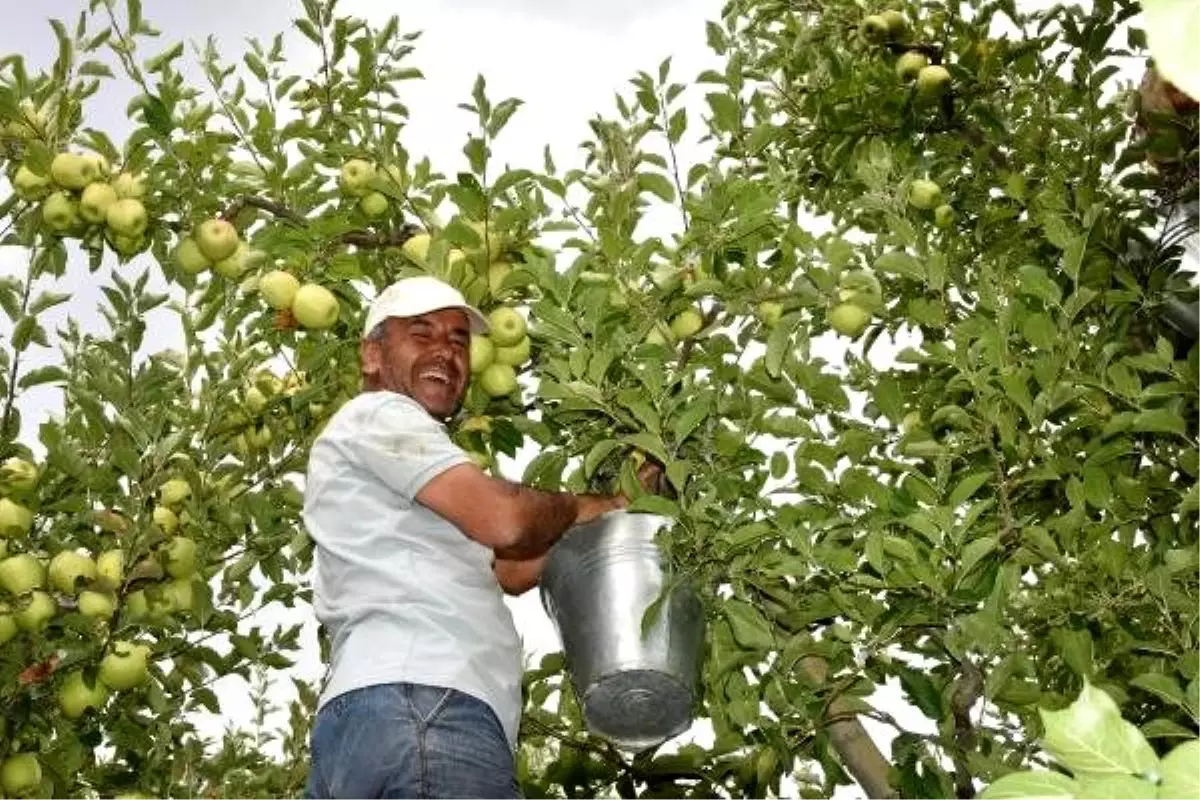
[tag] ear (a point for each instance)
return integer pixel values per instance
(371, 357)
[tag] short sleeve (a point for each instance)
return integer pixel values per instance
(404, 447)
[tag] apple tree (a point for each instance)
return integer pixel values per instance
(901, 353)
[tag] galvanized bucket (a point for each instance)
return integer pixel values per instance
(636, 691)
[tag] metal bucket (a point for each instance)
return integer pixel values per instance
(635, 691)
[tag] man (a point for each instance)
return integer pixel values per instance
(416, 547)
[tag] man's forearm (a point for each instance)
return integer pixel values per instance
(543, 517)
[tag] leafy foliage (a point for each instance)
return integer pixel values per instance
(985, 494)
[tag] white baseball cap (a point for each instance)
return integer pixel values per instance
(412, 297)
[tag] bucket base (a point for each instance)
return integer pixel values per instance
(637, 709)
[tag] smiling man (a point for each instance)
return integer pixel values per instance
(416, 547)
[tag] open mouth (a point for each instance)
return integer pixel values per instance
(436, 375)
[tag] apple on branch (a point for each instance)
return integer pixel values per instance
(76, 695)
(279, 288)
(910, 64)
(189, 257)
(110, 569)
(356, 176)
(498, 380)
(20, 775)
(35, 611)
(315, 307)
(483, 353)
(15, 519)
(29, 185)
(8, 625)
(216, 238)
(95, 202)
(74, 170)
(127, 217)
(924, 194)
(507, 326)
(60, 211)
(21, 573)
(70, 567)
(125, 666)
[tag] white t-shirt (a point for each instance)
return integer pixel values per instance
(404, 594)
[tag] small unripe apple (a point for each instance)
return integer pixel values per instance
(943, 216)
(29, 184)
(68, 568)
(165, 518)
(507, 326)
(497, 272)
(483, 353)
(515, 355)
(21, 573)
(95, 201)
(254, 400)
(182, 593)
(189, 258)
(110, 569)
(97, 605)
(15, 519)
(356, 177)
(933, 81)
(126, 666)
(181, 557)
(75, 696)
(490, 237)
(279, 288)
(315, 307)
(36, 613)
(244, 257)
(20, 775)
(216, 238)
(770, 312)
(127, 217)
(498, 380)
(897, 24)
(74, 170)
(687, 323)
(861, 288)
(60, 212)
(849, 320)
(416, 247)
(8, 625)
(130, 186)
(374, 204)
(924, 194)
(128, 245)
(874, 28)
(910, 64)
(174, 492)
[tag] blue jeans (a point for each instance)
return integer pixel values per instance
(409, 740)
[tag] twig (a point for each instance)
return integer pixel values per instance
(278, 209)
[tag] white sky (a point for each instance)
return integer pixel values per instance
(564, 58)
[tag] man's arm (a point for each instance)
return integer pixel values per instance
(519, 523)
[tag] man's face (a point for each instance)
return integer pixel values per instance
(425, 357)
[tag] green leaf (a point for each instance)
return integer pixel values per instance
(1163, 686)
(900, 263)
(41, 375)
(750, 628)
(1075, 647)
(654, 504)
(968, 486)
(975, 552)
(47, 300)
(1178, 771)
(1117, 787)
(1090, 738)
(649, 443)
(693, 415)
(1037, 283)
(1037, 783)
(599, 452)
(778, 344)
(1163, 728)
(657, 185)
(1160, 420)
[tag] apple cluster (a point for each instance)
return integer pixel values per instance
(495, 357)
(215, 244)
(310, 304)
(926, 195)
(80, 195)
(891, 27)
(356, 181)
(859, 298)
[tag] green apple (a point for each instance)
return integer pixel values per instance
(490, 237)
(182, 593)
(687, 323)
(943, 215)
(279, 288)
(128, 245)
(174, 492)
(507, 326)
(254, 400)
(110, 569)
(514, 356)
(861, 288)
(897, 24)
(74, 170)
(770, 312)
(75, 696)
(244, 257)
(97, 605)
(165, 518)
(498, 380)
(21, 573)
(127, 217)
(15, 519)
(417, 247)
(374, 204)
(20, 775)
(8, 625)
(60, 212)
(68, 568)
(910, 64)
(29, 184)
(483, 353)
(924, 194)
(356, 177)
(849, 319)
(216, 238)
(189, 258)
(482, 424)
(497, 272)
(933, 81)
(259, 438)
(874, 28)
(911, 422)
(315, 307)
(126, 666)
(128, 185)
(95, 201)
(181, 557)
(37, 611)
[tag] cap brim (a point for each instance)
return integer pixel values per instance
(479, 323)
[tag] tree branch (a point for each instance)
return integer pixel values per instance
(278, 209)
(967, 690)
